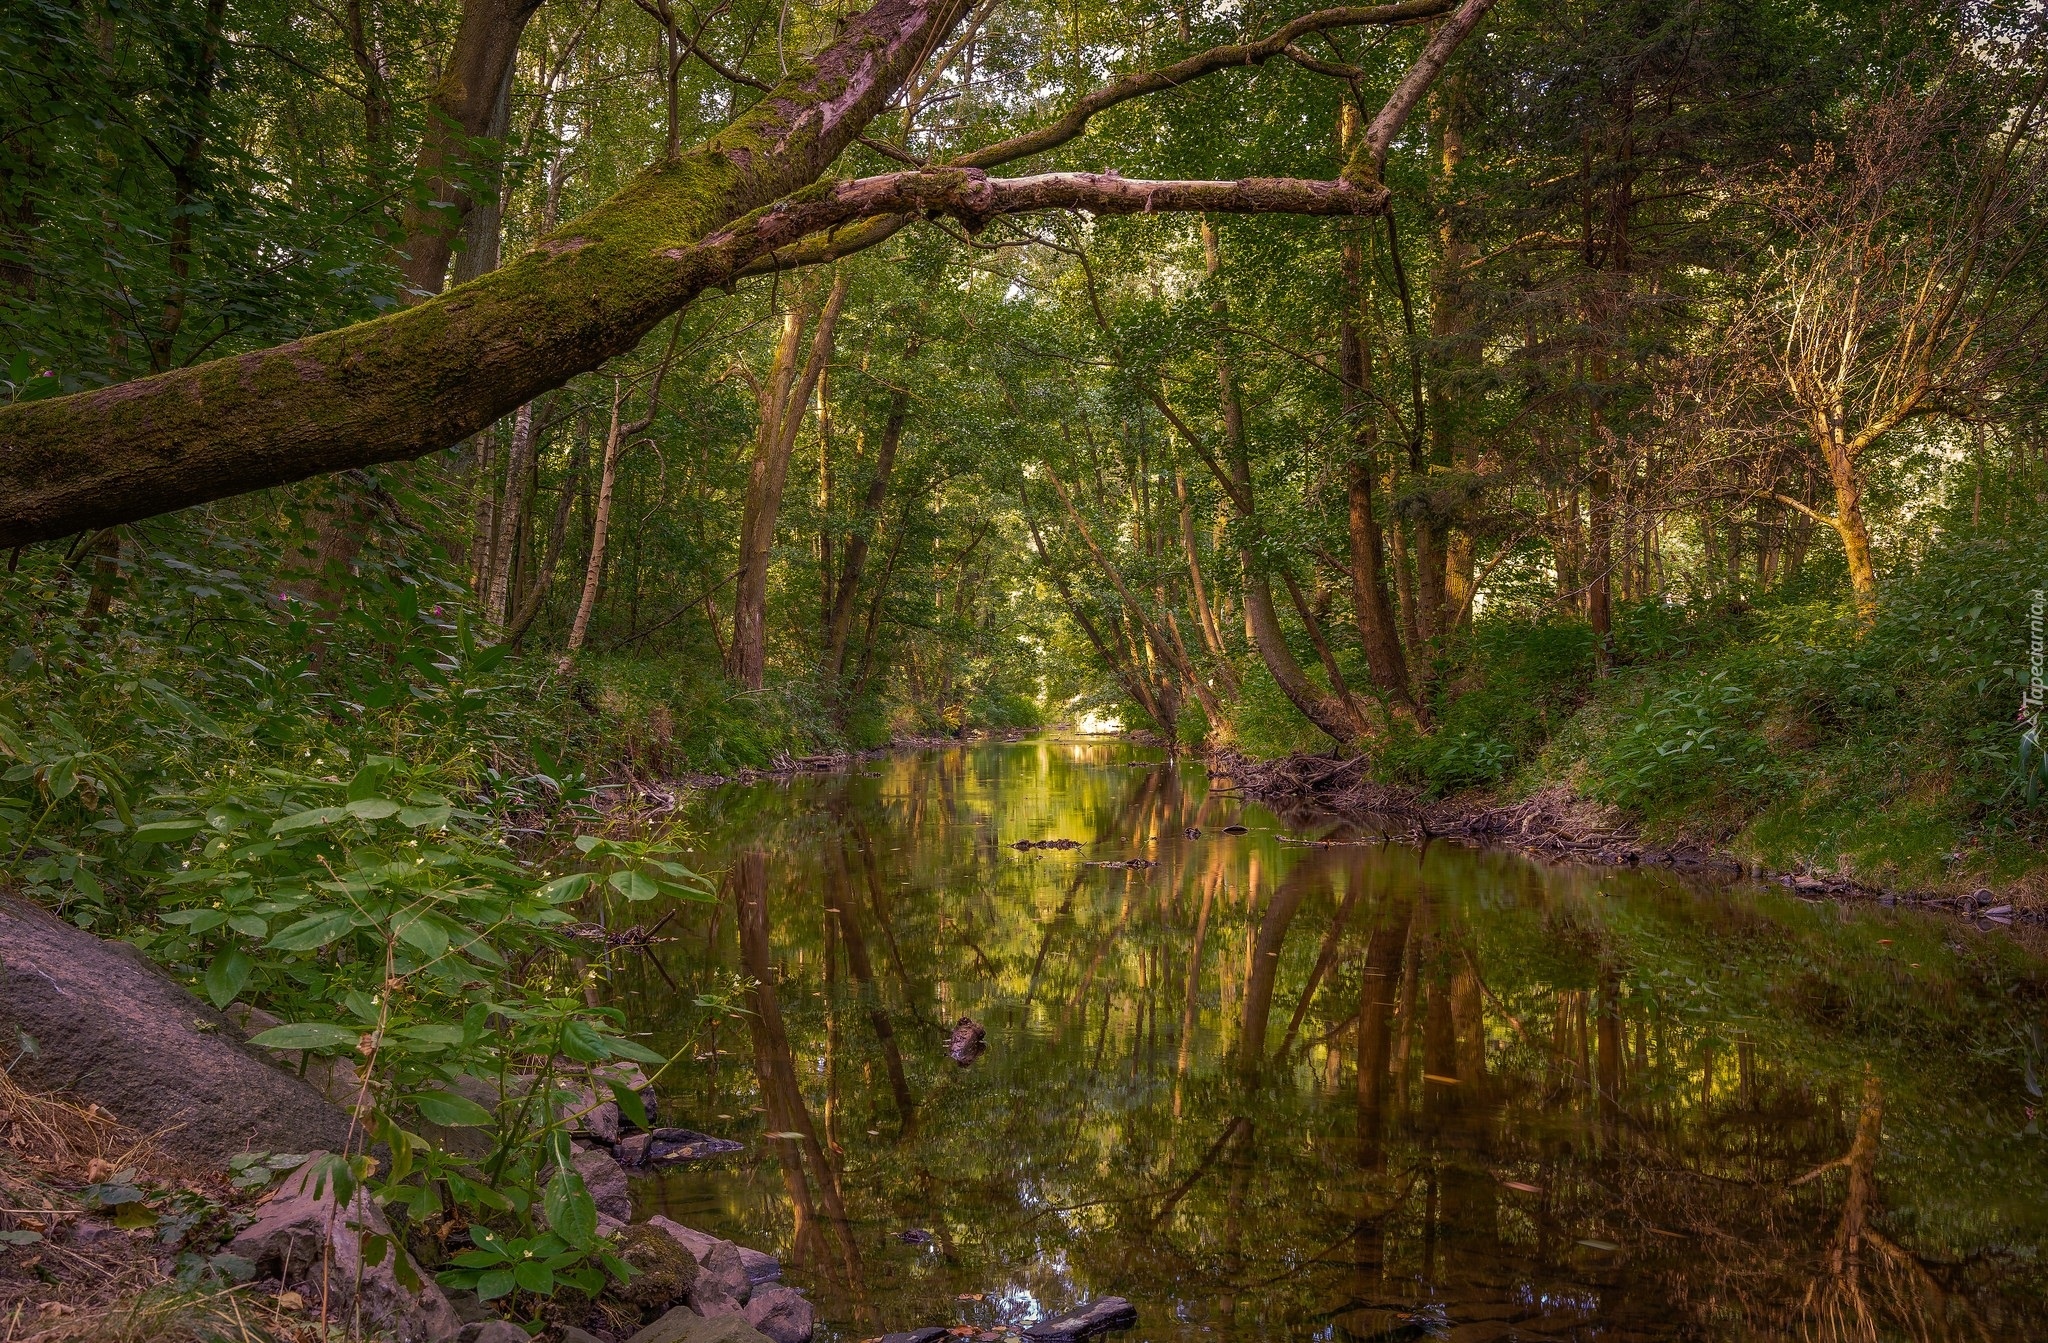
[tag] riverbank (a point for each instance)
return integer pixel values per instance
(1552, 822)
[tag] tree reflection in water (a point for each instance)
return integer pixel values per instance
(1273, 1089)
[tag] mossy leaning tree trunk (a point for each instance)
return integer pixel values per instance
(419, 379)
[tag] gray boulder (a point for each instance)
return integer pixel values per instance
(606, 1180)
(781, 1313)
(111, 1028)
(683, 1325)
(492, 1331)
(722, 1286)
(311, 1239)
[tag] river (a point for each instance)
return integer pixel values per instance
(1301, 1083)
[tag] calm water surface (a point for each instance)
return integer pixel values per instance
(1272, 1089)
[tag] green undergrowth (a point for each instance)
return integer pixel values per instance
(1779, 725)
(353, 815)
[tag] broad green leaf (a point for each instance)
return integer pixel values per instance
(629, 1103)
(226, 976)
(493, 1284)
(431, 1035)
(167, 832)
(428, 816)
(307, 820)
(369, 779)
(536, 1278)
(565, 888)
(249, 925)
(627, 1049)
(450, 1110)
(633, 885)
(569, 1209)
(583, 1044)
(372, 808)
(62, 778)
(308, 1035)
(315, 930)
(423, 934)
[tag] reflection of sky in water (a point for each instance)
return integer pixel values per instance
(1171, 1107)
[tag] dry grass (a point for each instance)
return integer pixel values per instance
(86, 1280)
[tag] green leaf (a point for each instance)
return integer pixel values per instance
(249, 925)
(167, 832)
(633, 885)
(416, 817)
(450, 1110)
(536, 1278)
(372, 808)
(369, 779)
(422, 934)
(307, 820)
(584, 1044)
(62, 778)
(308, 1035)
(226, 976)
(565, 888)
(630, 1104)
(588, 842)
(627, 1049)
(571, 1212)
(431, 1035)
(494, 1284)
(315, 930)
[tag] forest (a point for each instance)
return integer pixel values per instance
(438, 435)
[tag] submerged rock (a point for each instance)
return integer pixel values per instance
(1099, 1317)
(967, 1042)
(309, 1238)
(665, 1146)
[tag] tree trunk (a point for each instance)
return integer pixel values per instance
(600, 525)
(471, 89)
(414, 381)
(523, 618)
(510, 518)
(782, 413)
(1849, 521)
(1205, 616)
(1262, 622)
(417, 380)
(853, 564)
(1374, 614)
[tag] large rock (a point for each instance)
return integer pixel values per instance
(112, 1029)
(683, 1325)
(760, 1267)
(606, 1181)
(722, 1286)
(1098, 1317)
(781, 1313)
(664, 1271)
(311, 1240)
